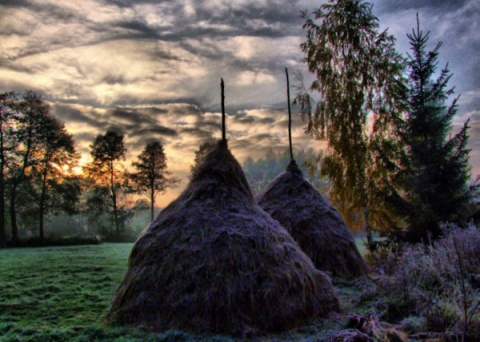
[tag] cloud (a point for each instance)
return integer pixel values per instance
(151, 69)
(434, 5)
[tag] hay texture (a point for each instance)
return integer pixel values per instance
(318, 228)
(214, 262)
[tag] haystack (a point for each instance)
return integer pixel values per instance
(318, 228)
(214, 262)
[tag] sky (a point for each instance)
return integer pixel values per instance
(151, 69)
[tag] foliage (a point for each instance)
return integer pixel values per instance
(6, 138)
(28, 113)
(433, 173)
(360, 86)
(200, 154)
(35, 150)
(55, 189)
(37, 155)
(261, 172)
(440, 282)
(104, 172)
(151, 176)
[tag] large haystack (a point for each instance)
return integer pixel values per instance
(214, 262)
(318, 228)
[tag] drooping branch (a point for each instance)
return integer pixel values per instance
(289, 116)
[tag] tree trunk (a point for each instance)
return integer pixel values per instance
(152, 205)
(42, 204)
(115, 215)
(3, 235)
(368, 229)
(114, 197)
(13, 214)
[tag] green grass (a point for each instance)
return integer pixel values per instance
(63, 294)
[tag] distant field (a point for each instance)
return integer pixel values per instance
(63, 294)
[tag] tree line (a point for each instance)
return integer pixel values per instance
(391, 160)
(392, 163)
(37, 160)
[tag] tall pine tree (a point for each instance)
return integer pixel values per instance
(432, 182)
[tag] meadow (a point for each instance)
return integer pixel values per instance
(63, 294)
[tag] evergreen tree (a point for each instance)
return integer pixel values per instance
(151, 176)
(432, 181)
(203, 150)
(104, 170)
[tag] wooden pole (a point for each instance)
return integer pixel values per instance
(289, 117)
(222, 85)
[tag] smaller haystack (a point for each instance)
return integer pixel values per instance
(214, 262)
(318, 228)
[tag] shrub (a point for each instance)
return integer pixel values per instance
(437, 282)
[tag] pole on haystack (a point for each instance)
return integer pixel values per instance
(289, 117)
(222, 85)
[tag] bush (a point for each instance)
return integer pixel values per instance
(438, 282)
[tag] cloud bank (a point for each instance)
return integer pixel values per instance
(151, 69)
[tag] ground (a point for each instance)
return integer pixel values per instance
(63, 294)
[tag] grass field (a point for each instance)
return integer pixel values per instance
(63, 294)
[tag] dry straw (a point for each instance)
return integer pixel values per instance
(318, 228)
(214, 262)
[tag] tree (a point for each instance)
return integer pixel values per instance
(432, 179)
(56, 155)
(34, 150)
(29, 113)
(106, 151)
(151, 176)
(6, 136)
(359, 81)
(201, 153)
(261, 172)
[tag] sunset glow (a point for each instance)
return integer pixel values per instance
(152, 70)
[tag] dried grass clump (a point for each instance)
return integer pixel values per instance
(317, 227)
(439, 283)
(214, 262)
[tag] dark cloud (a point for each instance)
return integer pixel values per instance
(14, 3)
(156, 130)
(434, 5)
(264, 136)
(184, 51)
(244, 118)
(195, 132)
(68, 113)
(131, 116)
(139, 29)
